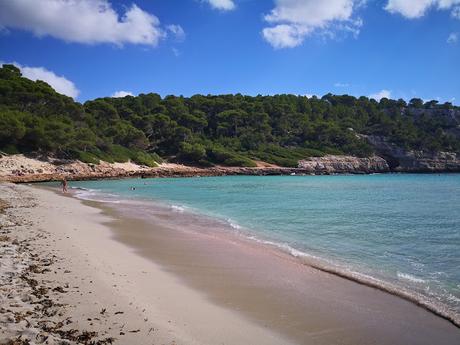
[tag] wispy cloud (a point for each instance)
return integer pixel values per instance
(176, 31)
(119, 94)
(453, 38)
(223, 5)
(381, 94)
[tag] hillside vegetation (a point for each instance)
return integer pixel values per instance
(231, 130)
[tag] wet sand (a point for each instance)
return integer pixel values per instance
(272, 288)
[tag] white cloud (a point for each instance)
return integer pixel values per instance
(119, 94)
(382, 94)
(224, 5)
(177, 31)
(453, 38)
(293, 20)
(456, 12)
(417, 8)
(285, 35)
(82, 21)
(58, 83)
(341, 85)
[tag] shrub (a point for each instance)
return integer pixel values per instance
(10, 149)
(218, 154)
(239, 161)
(156, 157)
(144, 158)
(119, 153)
(191, 152)
(87, 157)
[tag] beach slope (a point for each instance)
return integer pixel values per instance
(65, 279)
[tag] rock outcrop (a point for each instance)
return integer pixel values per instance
(344, 164)
(401, 160)
(18, 168)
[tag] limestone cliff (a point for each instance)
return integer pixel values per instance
(402, 160)
(344, 164)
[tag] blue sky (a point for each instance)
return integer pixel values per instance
(95, 48)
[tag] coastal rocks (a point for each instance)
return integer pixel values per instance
(401, 160)
(332, 164)
(19, 168)
(389, 158)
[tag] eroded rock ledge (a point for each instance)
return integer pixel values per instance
(402, 160)
(18, 168)
(344, 164)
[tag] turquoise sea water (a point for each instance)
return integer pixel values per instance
(397, 229)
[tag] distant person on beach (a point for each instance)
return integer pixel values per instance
(64, 185)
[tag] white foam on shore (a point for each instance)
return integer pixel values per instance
(177, 208)
(433, 305)
(410, 277)
(233, 224)
(92, 195)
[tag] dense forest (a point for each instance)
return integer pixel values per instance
(231, 130)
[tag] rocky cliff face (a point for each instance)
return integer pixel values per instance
(402, 160)
(344, 164)
(17, 168)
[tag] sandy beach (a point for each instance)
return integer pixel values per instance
(86, 272)
(83, 281)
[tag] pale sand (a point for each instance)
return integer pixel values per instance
(106, 274)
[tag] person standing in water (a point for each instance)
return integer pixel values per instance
(64, 185)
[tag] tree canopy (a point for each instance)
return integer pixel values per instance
(222, 129)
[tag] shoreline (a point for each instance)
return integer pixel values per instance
(271, 257)
(439, 309)
(202, 288)
(320, 264)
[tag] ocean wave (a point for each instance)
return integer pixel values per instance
(233, 224)
(316, 262)
(93, 195)
(80, 188)
(409, 277)
(178, 208)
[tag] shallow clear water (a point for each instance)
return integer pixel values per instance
(403, 229)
